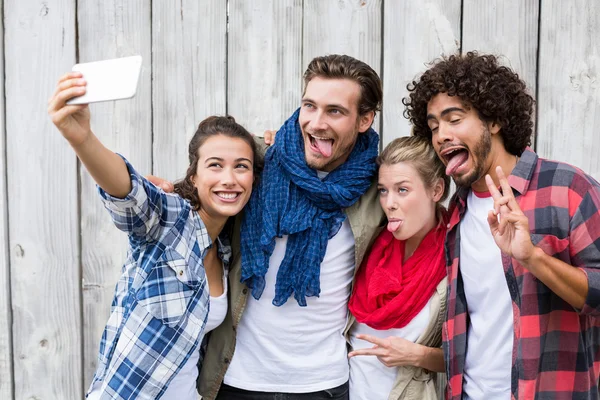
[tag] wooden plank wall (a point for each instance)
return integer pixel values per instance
(569, 83)
(42, 204)
(268, 35)
(189, 67)
(6, 368)
(60, 256)
(125, 27)
(413, 35)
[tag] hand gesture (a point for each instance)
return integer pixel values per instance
(509, 226)
(391, 352)
(269, 137)
(161, 183)
(73, 121)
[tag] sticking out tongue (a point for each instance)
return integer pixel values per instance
(324, 146)
(393, 226)
(453, 164)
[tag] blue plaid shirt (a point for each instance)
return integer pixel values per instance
(161, 299)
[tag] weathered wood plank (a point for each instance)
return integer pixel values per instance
(264, 62)
(6, 368)
(504, 27)
(43, 218)
(351, 27)
(188, 69)
(414, 34)
(122, 27)
(569, 83)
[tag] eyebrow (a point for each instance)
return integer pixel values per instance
(446, 112)
(401, 182)
(221, 159)
(341, 107)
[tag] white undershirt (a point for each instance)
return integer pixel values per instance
(490, 332)
(295, 349)
(369, 378)
(183, 385)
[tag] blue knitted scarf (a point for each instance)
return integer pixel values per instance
(290, 199)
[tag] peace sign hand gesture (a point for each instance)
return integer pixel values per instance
(509, 226)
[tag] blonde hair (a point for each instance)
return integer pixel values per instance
(419, 152)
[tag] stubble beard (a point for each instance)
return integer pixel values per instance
(480, 153)
(335, 156)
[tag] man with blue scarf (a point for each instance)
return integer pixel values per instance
(303, 234)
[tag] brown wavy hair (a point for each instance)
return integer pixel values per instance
(494, 91)
(213, 126)
(336, 66)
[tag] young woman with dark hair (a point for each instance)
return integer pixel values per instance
(178, 256)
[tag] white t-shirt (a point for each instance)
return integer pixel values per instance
(183, 385)
(369, 378)
(490, 332)
(297, 349)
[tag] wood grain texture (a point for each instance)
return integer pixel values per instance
(504, 27)
(122, 28)
(6, 376)
(264, 62)
(507, 28)
(188, 76)
(415, 33)
(351, 27)
(43, 218)
(569, 83)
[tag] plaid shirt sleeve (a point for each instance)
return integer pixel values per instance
(584, 237)
(146, 211)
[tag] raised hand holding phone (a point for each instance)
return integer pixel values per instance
(73, 121)
(113, 79)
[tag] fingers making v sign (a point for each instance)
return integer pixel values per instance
(509, 226)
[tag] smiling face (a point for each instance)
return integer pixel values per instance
(223, 176)
(460, 138)
(330, 122)
(409, 205)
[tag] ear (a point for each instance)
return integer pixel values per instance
(365, 121)
(494, 127)
(438, 190)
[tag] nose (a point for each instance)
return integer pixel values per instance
(227, 177)
(443, 134)
(317, 122)
(390, 202)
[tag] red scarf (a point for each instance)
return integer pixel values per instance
(389, 293)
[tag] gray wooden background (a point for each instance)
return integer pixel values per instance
(59, 254)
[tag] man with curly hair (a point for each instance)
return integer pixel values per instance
(523, 243)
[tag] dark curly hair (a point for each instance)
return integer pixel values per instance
(213, 126)
(494, 91)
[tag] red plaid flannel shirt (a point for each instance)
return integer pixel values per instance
(556, 351)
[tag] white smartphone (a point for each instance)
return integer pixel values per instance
(109, 79)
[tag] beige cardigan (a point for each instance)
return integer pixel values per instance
(413, 383)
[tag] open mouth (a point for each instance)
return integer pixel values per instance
(228, 196)
(323, 146)
(455, 158)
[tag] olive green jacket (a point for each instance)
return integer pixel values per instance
(365, 217)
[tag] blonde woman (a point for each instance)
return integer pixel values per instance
(398, 301)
